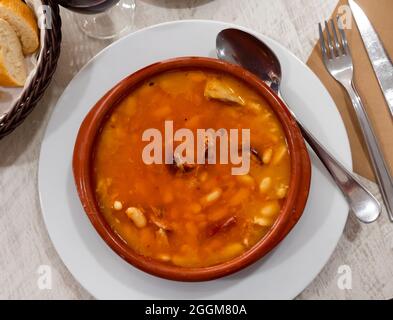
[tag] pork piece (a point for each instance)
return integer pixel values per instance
(256, 156)
(157, 218)
(219, 90)
(179, 165)
(221, 226)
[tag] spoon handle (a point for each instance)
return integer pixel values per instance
(362, 203)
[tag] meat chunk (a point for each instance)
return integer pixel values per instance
(221, 226)
(219, 90)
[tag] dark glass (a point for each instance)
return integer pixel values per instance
(88, 6)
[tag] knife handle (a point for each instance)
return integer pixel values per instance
(378, 162)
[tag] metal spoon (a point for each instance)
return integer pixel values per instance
(239, 47)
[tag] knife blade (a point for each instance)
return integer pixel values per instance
(380, 60)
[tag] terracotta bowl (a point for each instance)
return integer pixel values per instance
(289, 215)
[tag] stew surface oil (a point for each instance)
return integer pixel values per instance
(190, 216)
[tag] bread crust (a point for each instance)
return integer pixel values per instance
(24, 12)
(6, 77)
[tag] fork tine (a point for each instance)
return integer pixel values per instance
(322, 42)
(329, 40)
(343, 37)
(335, 38)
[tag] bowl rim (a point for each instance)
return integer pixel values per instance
(290, 213)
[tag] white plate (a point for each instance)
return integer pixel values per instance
(281, 275)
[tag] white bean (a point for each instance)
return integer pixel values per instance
(282, 191)
(263, 221)
(271, 209)
(212, 196)
(267, 155)
(279, 154)
(137, 216)
(117, 205)
(232, 250)
(265, 184)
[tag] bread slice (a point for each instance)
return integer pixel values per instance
(21, 17)
(12, 64)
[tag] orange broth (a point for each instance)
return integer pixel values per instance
(204, 216)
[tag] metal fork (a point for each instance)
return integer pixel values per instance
(338, 61)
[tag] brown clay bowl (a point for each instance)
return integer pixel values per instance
(289, 215)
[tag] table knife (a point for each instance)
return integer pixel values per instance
(379, 58)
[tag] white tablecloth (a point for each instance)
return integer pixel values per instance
(24, 241)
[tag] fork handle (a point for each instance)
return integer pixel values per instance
(380, 168)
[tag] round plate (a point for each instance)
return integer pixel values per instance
(284, 273)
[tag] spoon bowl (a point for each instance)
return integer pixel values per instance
(239, 47)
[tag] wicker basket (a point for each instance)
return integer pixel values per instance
(41, 79)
